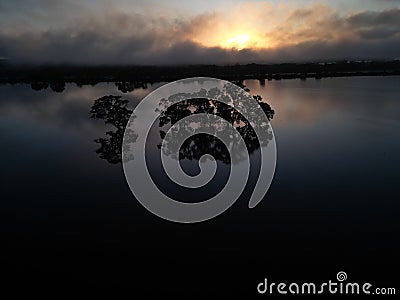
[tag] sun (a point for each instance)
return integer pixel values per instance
(238, 42)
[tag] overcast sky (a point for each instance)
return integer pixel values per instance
(192, 32)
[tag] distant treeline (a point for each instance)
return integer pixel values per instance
(57, 76)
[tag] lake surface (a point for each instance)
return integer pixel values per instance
(69, 219)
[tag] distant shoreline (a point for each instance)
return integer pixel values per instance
(139, 75)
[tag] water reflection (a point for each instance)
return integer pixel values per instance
(127, 87)
(338, 167)
(114, 110)
(199, 144)
(57, 87)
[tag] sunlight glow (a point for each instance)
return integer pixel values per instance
(237, 42)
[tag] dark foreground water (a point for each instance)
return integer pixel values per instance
(68, 219)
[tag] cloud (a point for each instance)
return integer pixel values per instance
(376, 25)
(378, 33)
(317, 32)
(373, 18)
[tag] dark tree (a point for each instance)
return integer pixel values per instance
(113, 110)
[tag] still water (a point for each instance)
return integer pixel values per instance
(68, 218)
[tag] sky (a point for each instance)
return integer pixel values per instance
(155, 32)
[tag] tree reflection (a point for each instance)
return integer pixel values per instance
(200, 144)
(126, 87)
(113, 110)
(57, 87)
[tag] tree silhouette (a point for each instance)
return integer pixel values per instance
(113, 110)
(200, 144)
(126, 87)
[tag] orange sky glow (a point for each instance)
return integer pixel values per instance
(228, 32)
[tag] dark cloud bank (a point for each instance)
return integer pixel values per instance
(135, 39)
